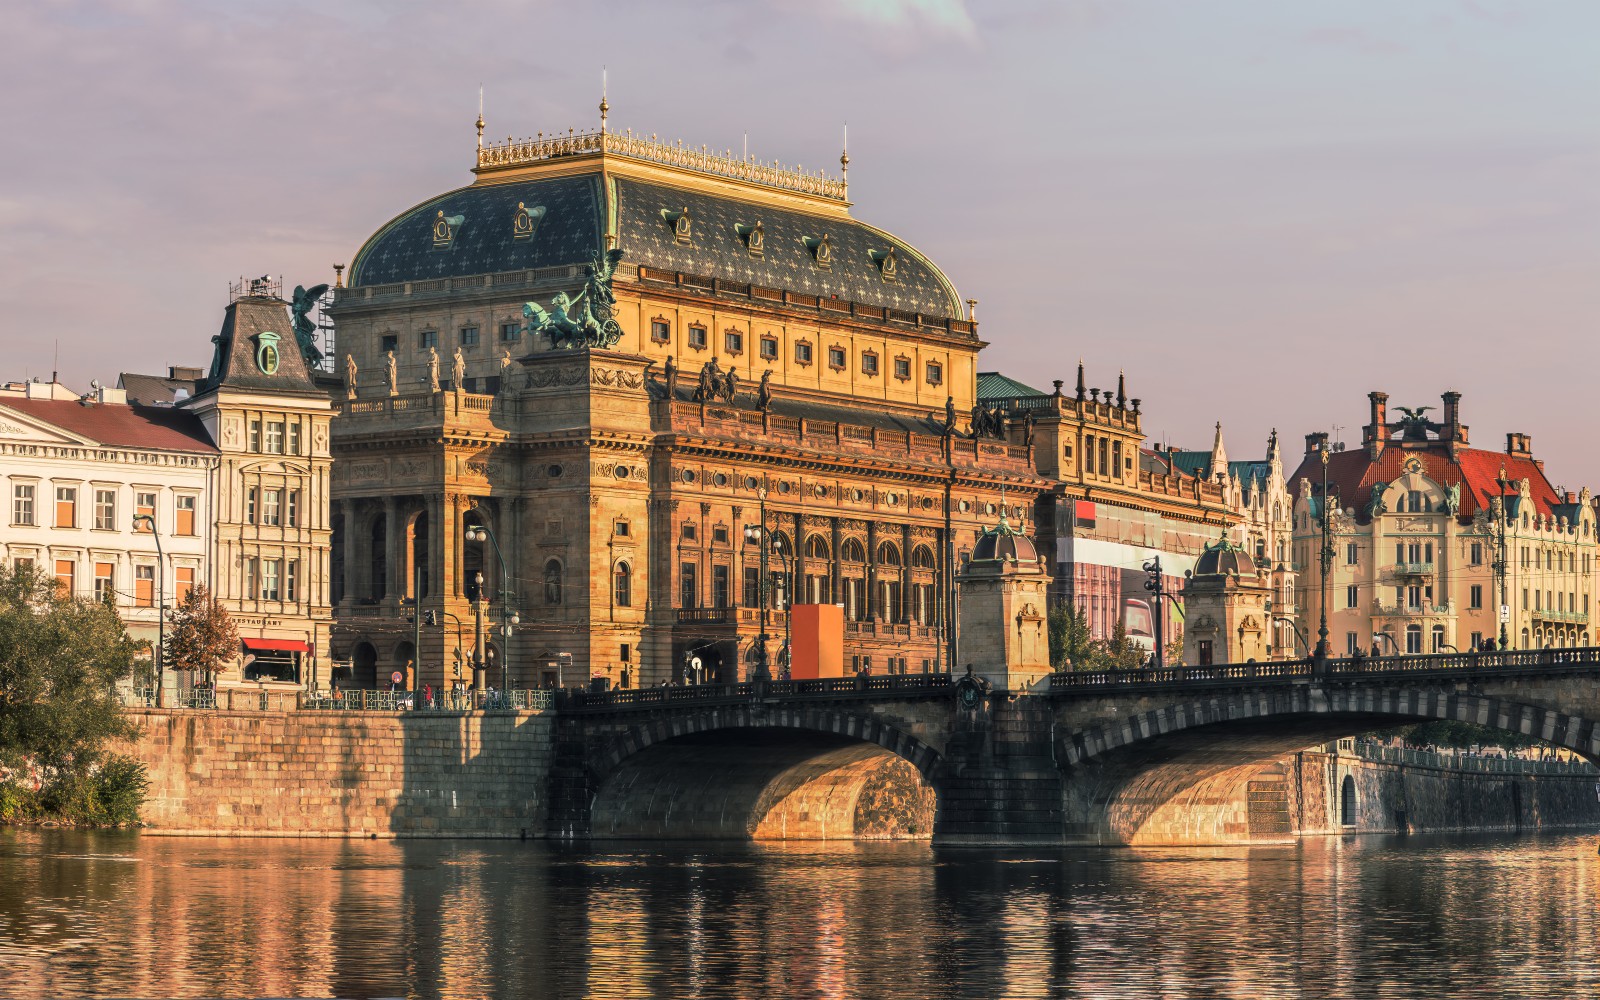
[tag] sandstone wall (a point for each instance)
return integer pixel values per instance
(382, 774)
(1394, 798)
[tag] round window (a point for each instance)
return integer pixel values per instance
(855, 495)
(720, 479)
(554, 472)
(751, 482)
(783, 487)
(927, 503)
(819, 490)
(894, 499)
(988, 508)
(965, 506)
(688, 475)
(622, 472)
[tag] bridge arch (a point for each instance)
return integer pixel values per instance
(1180, 773)
(796, 774)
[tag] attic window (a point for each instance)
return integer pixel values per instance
(445, 228)
(753, 237)
(682, 230)
(888, 267)
(821, 251)
(526, 222)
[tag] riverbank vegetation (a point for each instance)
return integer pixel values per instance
(60, 660)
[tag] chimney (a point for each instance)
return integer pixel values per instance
(1315, 443)
(1375, 436)
(1453, 433)
(105, 395)
(1519, 446)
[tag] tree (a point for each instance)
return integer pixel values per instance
(1174, 648)
(60, 660)
(1070, 638)
(202, 634)
(1119, 652)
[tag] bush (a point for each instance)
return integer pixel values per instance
(17, 804)
(119, 791)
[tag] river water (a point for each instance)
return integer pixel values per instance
(128, 915)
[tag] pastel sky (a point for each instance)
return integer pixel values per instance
(1261, 209)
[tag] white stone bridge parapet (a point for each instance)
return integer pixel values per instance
(1137, 756)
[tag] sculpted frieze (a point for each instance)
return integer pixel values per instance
(562, 375)
(367, 472)
(619, 377)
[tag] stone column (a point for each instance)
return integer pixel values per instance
(394, 538)
(904, 611)
(872, 571)
(352, 561)
(834, 570)
(797, 562)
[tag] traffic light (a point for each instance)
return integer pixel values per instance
(1152, 569)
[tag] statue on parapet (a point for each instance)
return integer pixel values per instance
(305, 331)
(764, 391)
(458, 371)
(349, 376)
(730, 384)
(390, 375)
(586, 320)
(433, 370)
(670, 377)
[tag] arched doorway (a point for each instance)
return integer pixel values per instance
(363, 666)
(405, 656)
(1347, 801)
(418, 570)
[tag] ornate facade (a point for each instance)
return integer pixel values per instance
(618, 356)
(1419, 528)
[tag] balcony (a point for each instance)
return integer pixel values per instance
(1382, 610)
(705, 616)
(1568, 617)
(1424, 569)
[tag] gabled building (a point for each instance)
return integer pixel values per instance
(1433, 544)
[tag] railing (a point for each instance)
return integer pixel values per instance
(520, 152)
(705, 616)
(352, 700)
(1459, 760)
(1411, 610)
(828, 688)
(1430, 666)
(1413, 569)
(1576, 617)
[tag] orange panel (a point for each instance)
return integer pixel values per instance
(818, 638)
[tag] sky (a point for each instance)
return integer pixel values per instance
(1260, 210)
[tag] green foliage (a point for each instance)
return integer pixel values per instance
(1119, 652)
(60, 659)
(1071, 644)
(1173, 652)
(202, 634)
(1450, 733)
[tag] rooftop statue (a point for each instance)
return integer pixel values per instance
(585, 321)
(1414, 426)
(305, 331)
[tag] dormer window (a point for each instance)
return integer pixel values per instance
(888, 267)
(682, 230)
(753, 237)
(526, 221)
(821, 251)
(445, 228)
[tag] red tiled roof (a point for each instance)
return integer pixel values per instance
(1351, 475)
(119, 425)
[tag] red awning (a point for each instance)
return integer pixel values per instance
(277, 645)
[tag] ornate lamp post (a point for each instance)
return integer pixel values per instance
(1321, 655)
(1504, 610)
(159, 656)
(508, 617)
(758, 536)
(788, 602)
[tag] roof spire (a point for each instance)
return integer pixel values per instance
(1219, 455)
(604, 107)
(1122, 389)
(1081, 390)
(480, 116)
(844, 158)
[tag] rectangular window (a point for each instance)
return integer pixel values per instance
(697, 337)
(291, 581)
(1475, 596)
(1116, 457)
(66, 569)
(272, 507)
(510, 332)
(719, 586)
(252, 572)
(869, 364)
(270, 570)
(902, 368)
(733, 342)
(660, 331)
(185, 507)
(719, 535)
(1351, 554)
(1352, 644)
(752, 586)
(935, 373)
(274, 437)
(144, 505)
(105, 587)
(250, 505)
(293, 446)
(1413, 597)
(620, 528)
(625, 652)
(105, 510)
(427, 339)
(689, 585)
(689, 532)
(184, 583)
(836, 357)
(1477, 554)
(1524, 598)
(22, 503)
(390, 342)
(769, 348)
(291, 509)
(144, 586)
(66, 506)
(255, 435)
(802, 354)
(1477, 640)
(1350, 597)
(469, 336)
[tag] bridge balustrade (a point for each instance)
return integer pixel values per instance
(819, 689)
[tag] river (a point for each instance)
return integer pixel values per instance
(108, 914)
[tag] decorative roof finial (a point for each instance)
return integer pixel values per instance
(480, 116)
(338, 275)
(844, 158)
(1081, 389)
(972, 310)
(604, 106)
(1122, 389)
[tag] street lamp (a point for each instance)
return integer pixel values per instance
(161, 606)
(1327, 558)
(508, 617)
(1504, 610)
(758, 535)
(788, 602)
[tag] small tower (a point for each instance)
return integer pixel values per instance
(1001, 594)
(1225, 605)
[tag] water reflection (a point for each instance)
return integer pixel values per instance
(119, 914)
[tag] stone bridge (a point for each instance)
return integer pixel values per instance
(1124, 757)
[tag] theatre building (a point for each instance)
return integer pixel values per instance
(622, 359)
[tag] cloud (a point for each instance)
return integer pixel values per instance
(947, 18)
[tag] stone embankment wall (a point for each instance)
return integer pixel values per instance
(1392, 797)
(334, 774)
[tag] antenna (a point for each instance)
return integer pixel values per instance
(604, 105)
(480, 116)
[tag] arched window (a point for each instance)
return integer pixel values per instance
(1413, 639)
(1347, 801)
(816, 547)
(622, 585)
(852, 551)
(922, 557)
(552, 582)
(888, 554)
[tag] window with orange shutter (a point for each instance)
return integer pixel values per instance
(66, 506)
(144, 586)
(104, 585)
(144, 505)
(185, 506)
(64, 574)
(185, 583)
